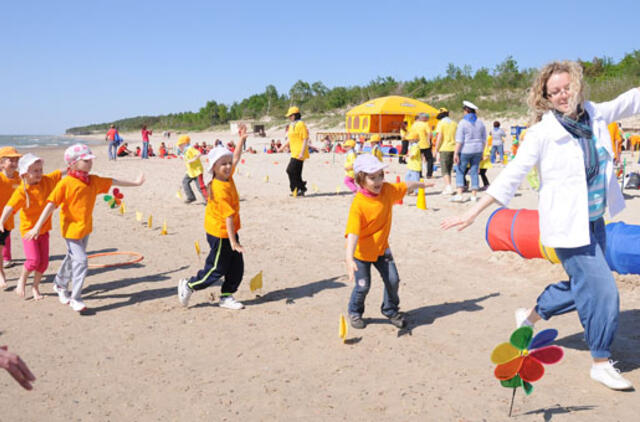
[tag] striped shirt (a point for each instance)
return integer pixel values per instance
(596, 191)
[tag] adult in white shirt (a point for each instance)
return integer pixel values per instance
(570, 145)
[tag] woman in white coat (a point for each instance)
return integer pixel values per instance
(571, 148)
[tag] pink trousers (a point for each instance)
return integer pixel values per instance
(36, 252)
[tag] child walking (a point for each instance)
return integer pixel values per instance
(414, 163)
(76, 195)
(367, 234)
(191, 156)
(221, 222)
(349, 159)
(9, 181)
(30, 199)
(376, 151)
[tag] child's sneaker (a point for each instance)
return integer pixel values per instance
(230, 303)
(77, 305)
(7, 264)
(63, 294)
(448, 190)
(457, 198)
(184, 292)
(521, 318)
(608, 375)
(357, 322)
(398, 320)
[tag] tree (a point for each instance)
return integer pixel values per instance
(300, 92)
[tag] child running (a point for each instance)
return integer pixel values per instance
(221, 222)
(30, 199)
(376, 151)
(367, 234)
(9, 181)
(349, 159)
(76, 193)
(414, 163)
(191, 156)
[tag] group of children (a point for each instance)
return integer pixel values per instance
(25, 188)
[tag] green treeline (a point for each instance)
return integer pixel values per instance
(499, 90)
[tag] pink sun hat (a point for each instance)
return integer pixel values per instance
(77, 152)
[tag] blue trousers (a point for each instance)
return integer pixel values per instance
(113, 148)
(472, 160)
(499, 149)
(222, 261)
(145, 150)
(591, 290)
(386, 266)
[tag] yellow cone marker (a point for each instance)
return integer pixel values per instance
(342, 330)
(421, 202)
(164, 228)
(122, 208)
(338, 190)
(315, 188)
(178, 195)
(256, 282)
(295, 192)
(150, 221)
(138, 216)
(266, 179)
(197, 245)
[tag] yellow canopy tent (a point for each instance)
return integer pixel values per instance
(386, 114)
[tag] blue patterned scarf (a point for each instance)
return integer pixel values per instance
(581, 130)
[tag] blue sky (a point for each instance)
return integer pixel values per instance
(70, 63)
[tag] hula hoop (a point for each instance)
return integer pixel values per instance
(136, 258)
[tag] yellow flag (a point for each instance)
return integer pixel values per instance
(122, 208)
(248, 175)
(179, 194)
(342, 330)
(150, 221)
(338, 189)
(197, 245)
(315, 188)
(295, 192)
(256, 282)
(138, 216)
(266, 179)
(164, 228)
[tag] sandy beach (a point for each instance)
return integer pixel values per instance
(141, 356)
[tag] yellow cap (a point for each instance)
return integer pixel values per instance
(184, 139)
(292, 110)
(442, 110)
(9, 152)
(350, 143)
(375, 138)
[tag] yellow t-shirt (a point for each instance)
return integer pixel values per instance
(38, 195)
(370, 219)
(420, 130)
(76, 201)
(225, 203)
(297, 133)
(376, 151)
(193, 169)
(7, 186)
(616, 137)
(414, 161)
(447, 128)
(486, 159)
(349, 159)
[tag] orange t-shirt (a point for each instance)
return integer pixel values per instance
(370, 219)
(77, 200)
(7, 186)
(38, 195)
(225, 203)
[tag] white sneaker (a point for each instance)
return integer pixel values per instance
(77, 305)
(7, 264)
(230, 303)
(184, 292)
(521, 318)
(474, 198)
(608, 375)
(448, 190)
(457, 198)
(63, 294)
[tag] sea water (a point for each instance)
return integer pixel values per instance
(22, 142)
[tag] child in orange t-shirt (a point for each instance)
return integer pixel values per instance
(367, 234)
(221, 222)
(76, 195)
(30, 199)
(9, 181)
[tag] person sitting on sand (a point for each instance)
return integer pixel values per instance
(123, 151)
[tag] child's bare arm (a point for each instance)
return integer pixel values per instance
(46, 213)
(411, 186)
(237, 153)
(126, 183)
(6, 212)
(352, 241)
(233, 238)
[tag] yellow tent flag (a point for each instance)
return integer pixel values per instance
(256, 282)
(150, 221)
(295, 192)
(338, 189)
(138, 216)
(178, 194)
(266, 179)
(164, 228)
(315, 188)
(342, 330)
(197, 245)
(122, 208)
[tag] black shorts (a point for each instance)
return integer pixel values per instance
(4, 235)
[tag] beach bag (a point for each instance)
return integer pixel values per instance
(632, 181)
(623, 248)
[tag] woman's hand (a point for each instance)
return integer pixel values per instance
(461, 221)
(456, 159)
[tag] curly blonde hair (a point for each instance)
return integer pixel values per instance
(538, 101)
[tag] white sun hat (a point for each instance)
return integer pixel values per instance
(367, 163)
(215, 154)
(25, 162)
(469, 104)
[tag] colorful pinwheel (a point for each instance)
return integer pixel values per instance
(520, 361)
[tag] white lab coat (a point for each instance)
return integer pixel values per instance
(563, 202)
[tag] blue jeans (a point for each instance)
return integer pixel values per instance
(474, 161)
(145, 150)
(113, 148)
(386, 266)
(497, 149)
(591, 290)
